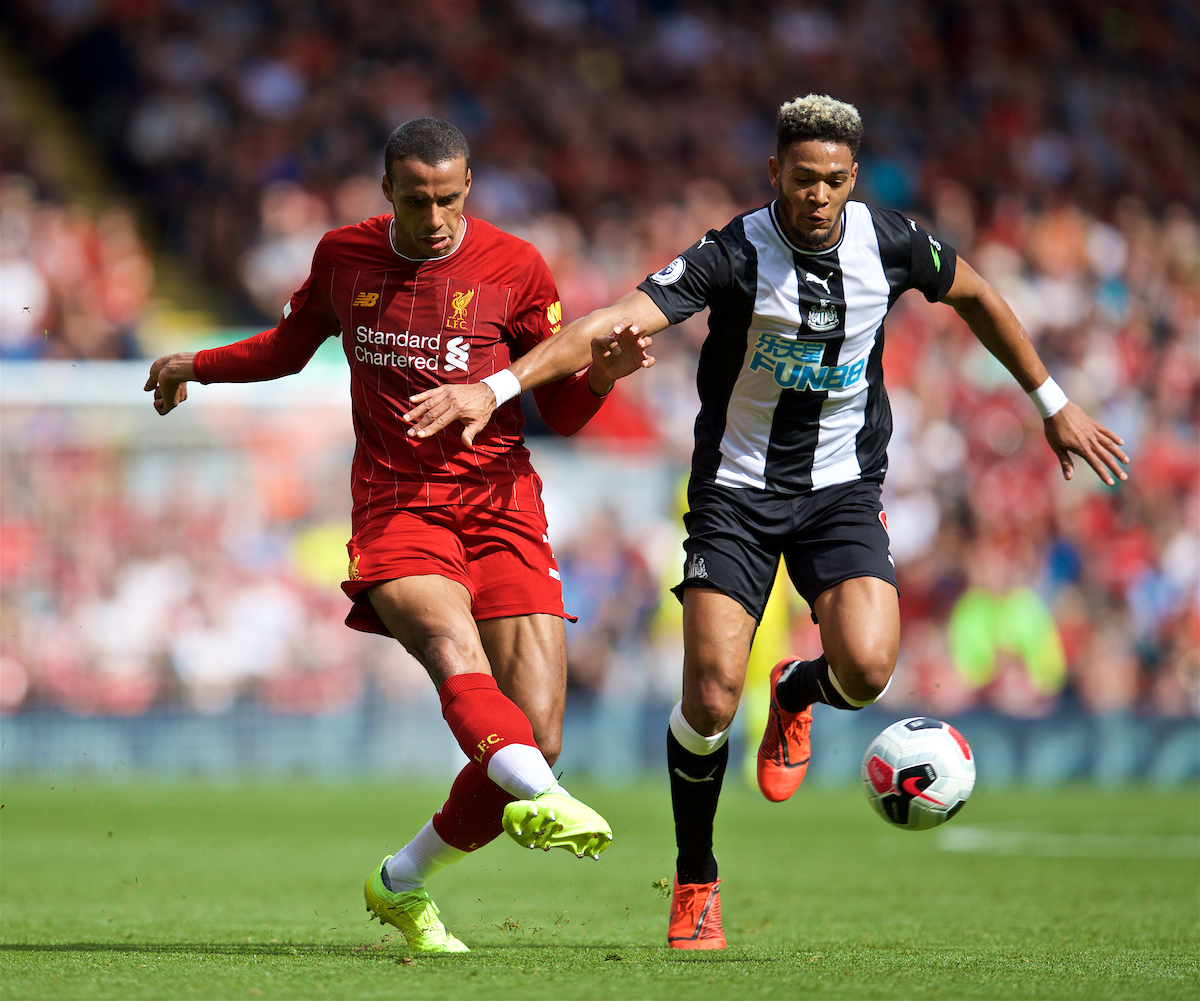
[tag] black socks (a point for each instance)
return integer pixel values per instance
(804, 682)
(695, 788)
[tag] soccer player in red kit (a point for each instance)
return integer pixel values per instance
(449, 552)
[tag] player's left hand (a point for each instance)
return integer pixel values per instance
(472, 404)
(1071, 430)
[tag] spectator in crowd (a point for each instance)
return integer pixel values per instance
(1047, 142)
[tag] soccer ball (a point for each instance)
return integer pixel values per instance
(918, 773)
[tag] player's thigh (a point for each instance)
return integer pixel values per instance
(431, 616)
(528, 654)
(717, 635)
(859, 620)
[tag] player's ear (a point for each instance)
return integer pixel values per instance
(773, 171)
(467, 184)
(386, 184)
(853, 174)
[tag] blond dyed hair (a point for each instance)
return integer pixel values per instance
(819, 117)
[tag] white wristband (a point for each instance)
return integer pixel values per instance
(1048, 398)
(504, 384)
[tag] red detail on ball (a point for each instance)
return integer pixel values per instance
(961, 741)
(909, 785)
(880, 773)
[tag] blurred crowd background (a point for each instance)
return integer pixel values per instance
(1056, 145)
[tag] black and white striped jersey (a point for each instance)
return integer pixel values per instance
(791, 374)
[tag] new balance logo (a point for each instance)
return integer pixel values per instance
(687, 778)
(365, 299)
(456, 354)
(823, 282)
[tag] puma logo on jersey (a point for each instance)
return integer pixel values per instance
(457, 349)
(823, 282)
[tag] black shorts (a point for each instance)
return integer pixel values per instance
(735, 539)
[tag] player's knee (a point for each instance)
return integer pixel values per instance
(865, 677)
(446, 654)
(710, 706)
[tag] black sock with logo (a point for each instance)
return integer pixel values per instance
(695, 788)
(804, 682)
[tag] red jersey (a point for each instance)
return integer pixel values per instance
(410, 325)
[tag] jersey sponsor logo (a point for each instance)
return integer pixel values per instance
(554, 316)
(422, 349)
(823, 317)
(797, 364)
(823, 282)
(457, 349)
(456, 316)
(784, 348)
(365, 299)
(671, 273)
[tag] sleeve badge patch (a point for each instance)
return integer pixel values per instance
(671, 273)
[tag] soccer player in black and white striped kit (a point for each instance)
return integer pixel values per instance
(791, 452)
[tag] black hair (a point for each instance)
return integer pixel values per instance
(429, 140)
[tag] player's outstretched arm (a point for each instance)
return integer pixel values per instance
(623, 329)
(1068, 429)
(169, 376)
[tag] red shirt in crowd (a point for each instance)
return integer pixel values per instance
(407, 326)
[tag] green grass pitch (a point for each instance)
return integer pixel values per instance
(176, 890)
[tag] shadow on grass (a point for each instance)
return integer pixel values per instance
(384, 951)
(200, 948)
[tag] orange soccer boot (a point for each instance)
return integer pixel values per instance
(785, 748)
(696, 916)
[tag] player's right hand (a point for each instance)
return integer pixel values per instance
(169, 376)
(472, 404)
(622, 351)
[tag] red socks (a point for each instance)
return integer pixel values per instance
(472, 815)
(482, 718)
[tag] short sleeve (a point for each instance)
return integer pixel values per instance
(932, 264)
(538, 312)
(693, 280)
(912, 257)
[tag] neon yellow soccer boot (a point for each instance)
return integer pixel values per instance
(554, 820)
(414, 913)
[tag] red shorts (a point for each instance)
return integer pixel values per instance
(502, 557)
